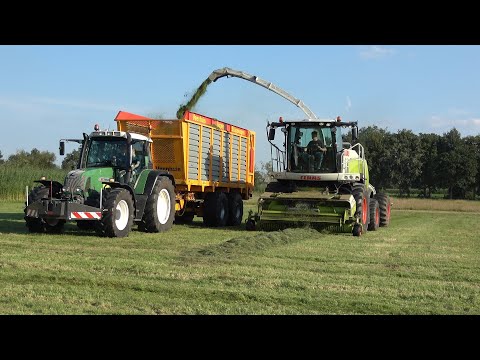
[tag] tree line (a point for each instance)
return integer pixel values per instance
(407, 161)
(401, 160)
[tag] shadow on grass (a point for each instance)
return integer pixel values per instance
(12, 223)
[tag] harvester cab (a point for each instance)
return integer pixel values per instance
(319, 179)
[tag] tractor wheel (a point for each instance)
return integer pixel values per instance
(54, 226)
(384, 205)
(186, 218)
(160, 208)
(235, 209)
(374, 215)
(118, 219)
(35, 225)
(86, 225)
(361, 198)
(215, 209)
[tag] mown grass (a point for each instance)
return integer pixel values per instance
(436, 204)
(423, 263)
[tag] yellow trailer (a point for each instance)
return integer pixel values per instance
(212, 163)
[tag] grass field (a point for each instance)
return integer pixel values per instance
(425, 262)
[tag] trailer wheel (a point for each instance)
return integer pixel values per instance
(384, 205)
(215, 209)
(35, 225)
(118, 219)
(235, 209)
(374, 215)
(160, 208)
(186, 218)
(361, 198)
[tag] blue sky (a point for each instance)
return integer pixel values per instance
(53, 92)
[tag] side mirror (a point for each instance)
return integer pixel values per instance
(62, 148)
(271, 134)
(354, 134)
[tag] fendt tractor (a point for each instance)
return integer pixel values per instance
(151, 173)
(323, 182)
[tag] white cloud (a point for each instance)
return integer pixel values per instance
(376, 52)
(466, 125)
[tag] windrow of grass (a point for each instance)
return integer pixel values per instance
(423, 263)
(14, 180)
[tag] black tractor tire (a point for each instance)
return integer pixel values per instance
(215, 209)
(54, 226)
(385, 207)
(186, 218)
(86, 225)
(361, 198)
(160, 207)
(235, 209)
(374, 215)
(117, 220)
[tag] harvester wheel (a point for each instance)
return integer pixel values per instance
(357, 230)
(160, 208)
(235, 209)
(361, 198)
(186, 218)
(384, 205)
(250, 225)
(118, 219)
(215, 209)
(374, 215)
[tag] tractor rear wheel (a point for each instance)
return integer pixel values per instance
(235, 209)
(118, 219)
(374, 215)
(215, 209)
(160, 208)
(361, 198)
(384, 205)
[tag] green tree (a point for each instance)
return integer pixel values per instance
(458, 166)
(378, 153)
(71, 160)
(473, 144)
(35, 158)
(406, 160)
(428, 179)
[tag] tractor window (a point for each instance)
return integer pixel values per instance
(105, 152)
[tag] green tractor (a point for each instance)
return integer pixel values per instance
(113, 187)
(319, 180)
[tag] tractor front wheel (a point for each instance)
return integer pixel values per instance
(118, 218)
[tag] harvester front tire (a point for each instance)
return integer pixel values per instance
(235, 209)
(374, 215)
(357, 230)
(361, 198)
(118, 219)
(160, 208)
(250, 225)
(215, 209)
(384, 205)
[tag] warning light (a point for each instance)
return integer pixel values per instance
(96, 127)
